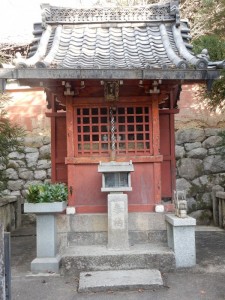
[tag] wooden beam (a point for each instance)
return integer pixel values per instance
(70, 127)
(53, 138)
(155, 125)
(97, 159)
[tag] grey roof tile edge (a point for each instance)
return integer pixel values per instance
(49, 58)
(180, 63)
(40, 53)
(200, 63)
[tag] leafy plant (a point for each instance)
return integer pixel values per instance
(213, 43)
(47, 193)
(215, 98)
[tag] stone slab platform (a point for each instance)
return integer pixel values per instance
(103, 281)
(100, 258)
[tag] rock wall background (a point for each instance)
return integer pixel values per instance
(30, 166)
(199, 169)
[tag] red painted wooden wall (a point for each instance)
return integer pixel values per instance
(58, 147)
(149, 184)
(86, 175)
(167, 149)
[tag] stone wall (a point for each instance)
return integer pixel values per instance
(199, 169)
(10, 212)
(30, 166)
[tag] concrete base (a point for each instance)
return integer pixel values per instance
(46, 265)
(47, 260)
(99, 258)
(119, 280)
(101, 238)
(92, 229)
(181, 238)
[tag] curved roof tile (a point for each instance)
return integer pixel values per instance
(131, 37)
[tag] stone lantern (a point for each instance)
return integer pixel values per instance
(116, 179)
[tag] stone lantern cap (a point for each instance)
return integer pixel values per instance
(114, 166)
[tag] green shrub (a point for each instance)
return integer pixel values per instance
(213, 43)
(47, 193)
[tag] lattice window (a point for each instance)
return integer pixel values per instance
(131, 132)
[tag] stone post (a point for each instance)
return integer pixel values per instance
(2, 267)
(47, 259)
(181, 239)
(18, 212)
(215, 189)
(118, 222)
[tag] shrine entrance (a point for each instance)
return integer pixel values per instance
(126, 129)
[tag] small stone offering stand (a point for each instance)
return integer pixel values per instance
(116, 179)
(181, 233)
(47, 259)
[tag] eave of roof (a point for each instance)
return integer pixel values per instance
(28, 73)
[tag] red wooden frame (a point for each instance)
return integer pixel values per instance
(146, 156)
(84, 118)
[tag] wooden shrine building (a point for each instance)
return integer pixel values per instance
(112, 77)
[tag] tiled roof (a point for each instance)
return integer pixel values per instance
(113, 38)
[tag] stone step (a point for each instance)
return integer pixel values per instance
(99, 258)
(103, 281)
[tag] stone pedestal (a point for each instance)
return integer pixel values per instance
(118, 222)
(181, 238)
(46, 260)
